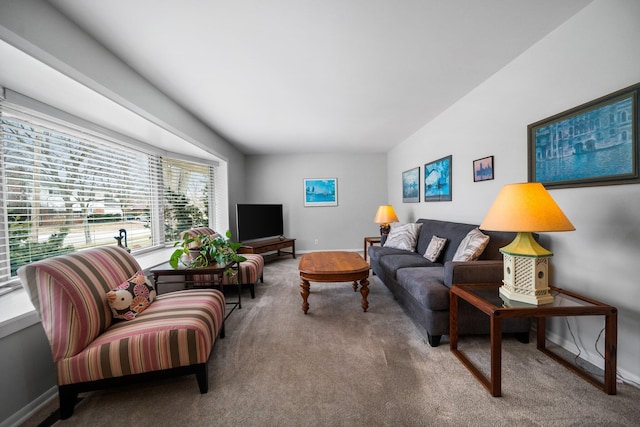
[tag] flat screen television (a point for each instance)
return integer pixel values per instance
(256, 221)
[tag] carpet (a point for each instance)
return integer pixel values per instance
(339, 366)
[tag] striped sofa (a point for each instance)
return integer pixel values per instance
(174, 335)
(250, 270)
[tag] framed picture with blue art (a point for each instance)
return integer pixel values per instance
(483, 169)
(593, 144)
(411, 185)
(437, 180)
(321, 192)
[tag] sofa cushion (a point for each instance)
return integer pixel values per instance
(452, 231)
(131, 297)
(471, 246)
(393, 262)
(403, 236)
(425, 285)
(435, 248)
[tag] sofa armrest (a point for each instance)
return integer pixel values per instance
(483, 271)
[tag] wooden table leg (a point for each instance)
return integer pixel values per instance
(355, 286)
(610, 352)
(364, 291)
(304, 286)
(453, 322)
(496, 356)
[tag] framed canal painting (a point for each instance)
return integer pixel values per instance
(321, 192)
(437, 180)
(593, 144)
(411, 185)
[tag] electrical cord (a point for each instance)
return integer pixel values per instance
(576, 359)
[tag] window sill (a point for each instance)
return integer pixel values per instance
(17, 312)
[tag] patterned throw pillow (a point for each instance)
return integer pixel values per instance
(471, 246)
(131, 297)
(436, 245)
(403, 236)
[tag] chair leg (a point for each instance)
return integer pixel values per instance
(67, 395)
(261, 277)
(203, 377)
(252, 289)
(222, 333)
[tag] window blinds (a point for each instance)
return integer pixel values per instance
(66, 188)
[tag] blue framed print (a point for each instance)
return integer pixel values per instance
(321, 192)
(437, 180)
(411, 185)
(593, 144)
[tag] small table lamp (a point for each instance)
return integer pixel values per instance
(384, 216)
(526, 208)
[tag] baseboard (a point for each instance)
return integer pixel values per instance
(29, 411)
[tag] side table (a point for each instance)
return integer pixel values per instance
(370, 241)
(212, 273)
(485, 297)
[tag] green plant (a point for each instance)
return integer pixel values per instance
(206, 249)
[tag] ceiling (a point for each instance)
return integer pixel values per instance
(295, 76)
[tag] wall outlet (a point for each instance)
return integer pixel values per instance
(315, 242)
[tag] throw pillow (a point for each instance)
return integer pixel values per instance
(131, 297)
(403, 236)
(436, 245)
(471, 246)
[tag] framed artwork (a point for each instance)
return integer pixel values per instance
(321, 192)
(483, 169)
(593, 144)
(411, 185)
(437, 180)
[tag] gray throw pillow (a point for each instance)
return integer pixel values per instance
(436, 245)
(471, 246)
(403, 236)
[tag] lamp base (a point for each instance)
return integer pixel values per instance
(544, 297)
(384, 229)
(525, 279)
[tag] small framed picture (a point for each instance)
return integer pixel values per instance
(411, 185)
(321, 192)
(483, 169)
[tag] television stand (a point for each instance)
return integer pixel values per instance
(274, 246)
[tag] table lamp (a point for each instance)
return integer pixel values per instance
(525, 208)
(384, 216)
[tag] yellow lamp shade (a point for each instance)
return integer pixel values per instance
(525, 207)
(385, 215)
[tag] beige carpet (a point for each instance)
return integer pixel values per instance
(338, 366)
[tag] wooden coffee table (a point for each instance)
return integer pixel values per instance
(334, 267)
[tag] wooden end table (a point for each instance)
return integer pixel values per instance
(333, 267)
(190, 278)
(370, 241)
(486, 298)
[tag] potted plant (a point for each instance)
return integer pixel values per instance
(201, 250)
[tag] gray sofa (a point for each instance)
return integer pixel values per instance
(422, 286)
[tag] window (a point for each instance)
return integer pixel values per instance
(186, 196)
(65, 188)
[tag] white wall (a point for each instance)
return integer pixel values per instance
(591, 55)
(38, 29)
(361, 189)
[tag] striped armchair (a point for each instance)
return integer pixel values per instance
(174, 335)
(250, 270)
